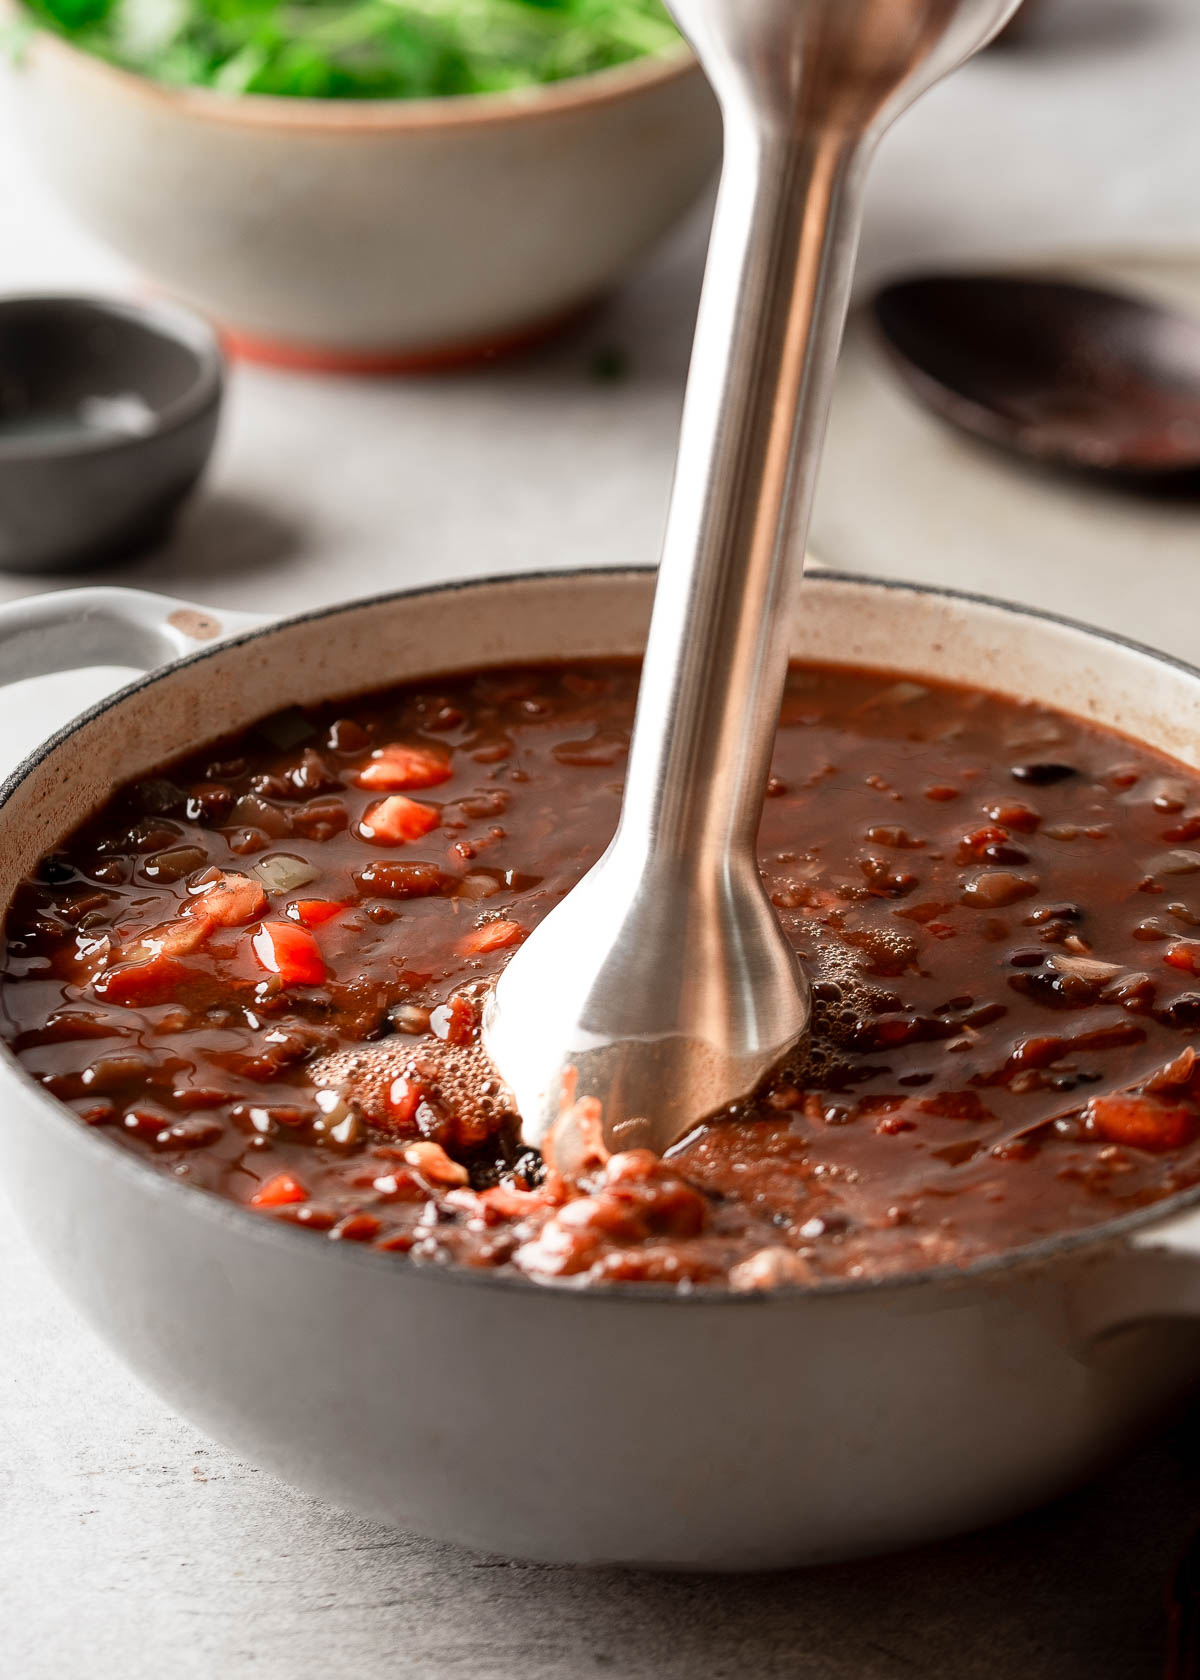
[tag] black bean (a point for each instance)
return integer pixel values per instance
(270, 786)
(287, 728)
(53, 871)
(174, 864)
(1054, 913)
(996, 888)
(208, 802)
(154, 834)
(1183, 1011)
(192, 1131)
(158, 797)
(1134, 992)
(1042, 774)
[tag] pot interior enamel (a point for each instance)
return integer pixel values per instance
(619, 1426)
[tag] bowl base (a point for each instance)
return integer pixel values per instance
(438, 358)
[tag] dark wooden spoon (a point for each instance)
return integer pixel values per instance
(1069, 375)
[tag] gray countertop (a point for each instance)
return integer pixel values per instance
(131, 1546)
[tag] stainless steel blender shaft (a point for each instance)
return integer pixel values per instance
(663, 985)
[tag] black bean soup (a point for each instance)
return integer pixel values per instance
(262, 969)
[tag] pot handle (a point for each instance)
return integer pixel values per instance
(1154, 1274)
(1179, 1236)
(73, 628)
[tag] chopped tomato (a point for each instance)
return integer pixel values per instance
(510, 1203)
(1014, 813)
(396, 767)
(1140, 1122)
(311, 912)
(147, 970)
(492, 936)
(291, 952)
(231, 901)
(404, 1098)
(384, 878)
(392, 821)
(357, 1227)
(434, 1165)
(135, 984)
(973, 846)
(278, 1192)
(1184, 954)
(168, 939)
(456, 1021)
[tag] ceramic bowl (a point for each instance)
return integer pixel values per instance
(369, 234)
(108, 412)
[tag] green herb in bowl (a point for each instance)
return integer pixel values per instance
(361, 49)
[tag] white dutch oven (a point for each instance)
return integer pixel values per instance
(623, 1425)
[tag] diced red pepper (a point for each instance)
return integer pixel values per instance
(404, 1098)
(973, 846)
(279, 1192)
(231, 901)
(386, 878)
(311, 912)
(1141, 1122)
(1014, 814)
(146, 1121)
(392, 821)
(397, 767)
(434, 1165)
(291, 952)
(509, 1203)
(901, 1120)
(923, 913)
(357, 1227)
(167, 939)
(492, 936)
(98, 1114)
(455, 1021)
(137, 984)
(1184, 954)
(890, 1030)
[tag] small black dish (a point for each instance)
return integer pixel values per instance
(108, 412)
(1068, 375)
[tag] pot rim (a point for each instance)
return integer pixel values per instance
(365, 116)
(244, 1221)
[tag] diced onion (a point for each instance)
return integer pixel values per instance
(901, 694)
(1034, 732)
(252, 811)
(410, 1018)
(1085, 968)
(1175, 1073)
(340, 1121)
(1175, 863)
(1170, 791)
(478, 884)
(281, 873)
(287, 728)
